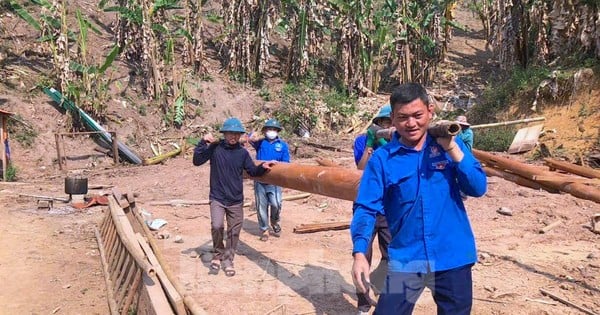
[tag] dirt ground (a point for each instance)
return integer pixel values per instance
(49, 261)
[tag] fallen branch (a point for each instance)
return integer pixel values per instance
(319, 227)
(566, 302)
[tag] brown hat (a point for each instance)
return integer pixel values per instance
(462, 120)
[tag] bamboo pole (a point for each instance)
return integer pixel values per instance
(112, 304)
(506, 123)
(127, 236)
(572, 168)
(189, 302)
(576, 189)
(334, 182)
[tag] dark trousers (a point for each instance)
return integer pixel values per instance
(235, 217)
(383, 233)
(452, 291)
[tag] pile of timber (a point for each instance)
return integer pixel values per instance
(581, 182)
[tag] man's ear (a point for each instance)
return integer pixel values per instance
(431, 110)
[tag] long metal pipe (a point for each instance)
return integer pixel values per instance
(576, 189)
(336, 182)
(573, 168)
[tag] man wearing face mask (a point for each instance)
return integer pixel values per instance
(269, 148)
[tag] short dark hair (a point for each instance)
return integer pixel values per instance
(408, 92)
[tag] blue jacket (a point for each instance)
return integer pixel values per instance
(227, 163)
(359, 146)
(276, 150)
(419, 194)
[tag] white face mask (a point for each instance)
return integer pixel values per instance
(271, 134)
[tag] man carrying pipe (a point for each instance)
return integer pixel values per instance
(364, 146)
(228, 159)
(415, 181)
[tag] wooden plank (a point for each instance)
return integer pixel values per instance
(319, 227)
(174, 297)
(525, 139)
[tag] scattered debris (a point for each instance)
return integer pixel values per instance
(596, 223)
(541, 301)
(163, 235)
(550, 226)
(178, 239)
(505, 211)
(156, 224)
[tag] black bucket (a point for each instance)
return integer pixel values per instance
(76, 185)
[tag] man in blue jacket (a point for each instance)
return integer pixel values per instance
(364, 146)
(415, 181)
(269, 148)
(228, 160)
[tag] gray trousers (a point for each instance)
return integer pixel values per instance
(235, 217)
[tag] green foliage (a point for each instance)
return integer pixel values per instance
(214, 17)
(179, 111)
(142, 110)
(265, 94)
(583, 110)
(296, 110)
(339, 101)
(11, 172)
(497, 95)
(493, 139)
(23, 14)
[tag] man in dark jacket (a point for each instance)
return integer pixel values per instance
(228, 160)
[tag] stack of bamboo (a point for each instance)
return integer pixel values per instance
(579, 181)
